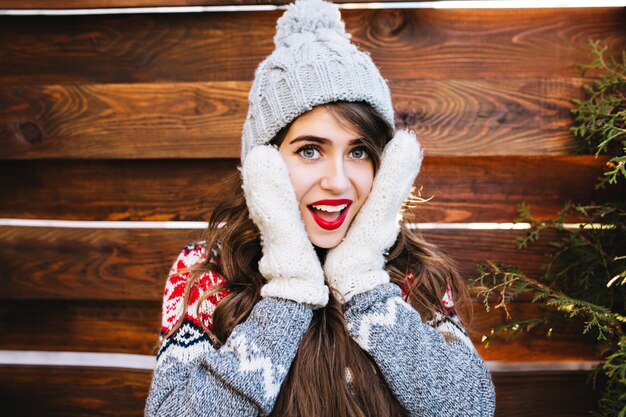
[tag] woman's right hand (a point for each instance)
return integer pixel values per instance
(289, 262)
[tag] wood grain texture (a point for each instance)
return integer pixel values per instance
(43, 391)
(459, 117)
(544, 394)
(81, 325)
(405, 44)
(72, 391)
(96, 264)
(134, 121)
(130, 264)
(460, 189)
(133, 327)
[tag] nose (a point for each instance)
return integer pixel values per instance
(335, 178)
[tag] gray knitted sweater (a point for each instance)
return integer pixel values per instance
(428, 375)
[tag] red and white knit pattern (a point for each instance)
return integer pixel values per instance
(190, 339)
(193, 253)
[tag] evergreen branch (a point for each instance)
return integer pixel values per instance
(590, 264)
(508, 283)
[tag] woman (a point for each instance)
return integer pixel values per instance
(312, 300)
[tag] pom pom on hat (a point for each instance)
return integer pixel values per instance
(308, 16)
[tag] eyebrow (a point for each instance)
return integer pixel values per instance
(318, 139)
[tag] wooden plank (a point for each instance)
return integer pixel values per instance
(565, 342)
(152, 190)
(405, 44)
(182, 120)
(96, 264)
(494, 116)
(81, 326)
(73, 391)
(503, 116)
(38, 391)
(133, 327)
(130, 264)
(542, 394)
(462, 189)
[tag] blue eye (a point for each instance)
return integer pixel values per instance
(360, 153)
(308, 152)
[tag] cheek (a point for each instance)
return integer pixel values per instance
(300, 179)
(363, 181)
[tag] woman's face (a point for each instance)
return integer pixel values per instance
(331, 171)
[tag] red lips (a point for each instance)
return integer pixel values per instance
(324, 224)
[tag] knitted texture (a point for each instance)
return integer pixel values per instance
(243, 377)
(314, 63)
(429, 375)
(289, 262)
(190, 339)
(357, 264)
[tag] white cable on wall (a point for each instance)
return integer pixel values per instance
(444, 4)
(148, 362)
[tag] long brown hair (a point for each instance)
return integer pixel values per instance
(316, 383)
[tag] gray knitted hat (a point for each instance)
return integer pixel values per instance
(314, 63)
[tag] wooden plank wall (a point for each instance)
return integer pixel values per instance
(137, 117)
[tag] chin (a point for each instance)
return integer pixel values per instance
(325, 245)
(326, 242)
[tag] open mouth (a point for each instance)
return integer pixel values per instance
(329, 216)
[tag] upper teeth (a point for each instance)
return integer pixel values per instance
(331, 209)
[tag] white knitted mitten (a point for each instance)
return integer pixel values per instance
(289, 262)
(356, 265)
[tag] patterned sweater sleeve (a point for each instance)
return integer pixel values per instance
(430, 375)
(241, 378)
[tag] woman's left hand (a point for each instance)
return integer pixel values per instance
(356, 265)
